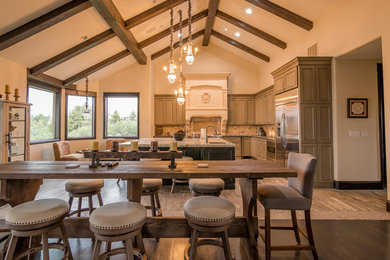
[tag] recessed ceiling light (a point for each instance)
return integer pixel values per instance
(248, 11)
(179, 35)
(225, 29)
(237, 34)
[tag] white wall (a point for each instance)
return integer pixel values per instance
(356, 158)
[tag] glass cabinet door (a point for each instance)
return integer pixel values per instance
(16, 136)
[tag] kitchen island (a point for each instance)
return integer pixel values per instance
(197, 149)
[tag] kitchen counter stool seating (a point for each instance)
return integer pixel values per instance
(84, 188)
(207, 186)
(209, 214)
(120, 221)
(151, 188)
(174, 181)
(37, 218)
(296, 196)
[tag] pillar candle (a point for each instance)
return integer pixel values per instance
(95, 146)
(134, 146)
(7, 89)
(154, 146)
(16, 92)
(173, 146)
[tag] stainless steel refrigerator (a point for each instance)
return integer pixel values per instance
(287, 125)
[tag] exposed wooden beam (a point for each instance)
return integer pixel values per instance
(213, 7)
(176, 45)
(102, 37)
(166, 32)
(49, 80)
(111, 15)
(249, 28)
(240, 46)
(43, 22)
(283, 13)
(96, 67)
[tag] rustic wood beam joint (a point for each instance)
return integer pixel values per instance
(213, 7)
(43, 22)
(48, 80)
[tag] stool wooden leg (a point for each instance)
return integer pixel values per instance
(11, 247)
(45, 246)
(70, 203)
(65, 240)
(310, 233)
(226, 246)
(96, 249)
(158, 203)
(100, 199)
(108, 248)
(140, 243)
(173, 185)
(90, 204)
(295, 226)
(194, 242)
(267, 234)
(129, 249)
(153, 205)
(79, 206)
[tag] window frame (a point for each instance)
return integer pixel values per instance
(105, 114)
(57, 110)
(81, 94)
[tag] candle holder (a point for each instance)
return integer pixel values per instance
(95, 160)
(16, 98)
(7, 95)
(173, 164)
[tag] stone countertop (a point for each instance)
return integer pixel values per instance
(187, 142)
(271, 138)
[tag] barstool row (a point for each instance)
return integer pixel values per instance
(121, 221)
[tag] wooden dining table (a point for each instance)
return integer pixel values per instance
(20, 182)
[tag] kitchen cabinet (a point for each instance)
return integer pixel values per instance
(314, 83)
(167, 111)
(241, 109)
(237, 141)
(265, 107)
(246, 146)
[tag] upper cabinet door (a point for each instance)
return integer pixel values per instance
(291, 79)
(308, 84)
(324, 84)
(279, 84)
(232, 111)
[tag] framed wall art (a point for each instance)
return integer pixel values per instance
(357, 108)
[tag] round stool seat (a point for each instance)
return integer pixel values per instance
(84, 185)
(151, 184)
(36, 214)
(117, 218)
(207, 184)
(209, 211)
(185, 158)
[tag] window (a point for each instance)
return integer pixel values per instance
(121, 112)
(79, 125)
(45, 114)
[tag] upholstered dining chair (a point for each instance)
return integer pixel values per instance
(63, 152)
(296, 196)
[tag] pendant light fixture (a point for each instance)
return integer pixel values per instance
(86, 109)
(189, 49)
(171, 69)
(179, 92)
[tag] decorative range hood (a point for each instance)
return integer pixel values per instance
(206, 101)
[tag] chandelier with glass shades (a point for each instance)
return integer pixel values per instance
(180, 92)
(189, 49)
(171, 69)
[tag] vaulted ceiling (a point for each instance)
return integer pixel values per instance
(69, 40)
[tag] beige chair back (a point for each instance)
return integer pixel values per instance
(305, 166)
(60, 149)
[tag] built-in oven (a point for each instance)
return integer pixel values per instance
(271, 150)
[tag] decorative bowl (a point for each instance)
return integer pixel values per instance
(179, 135)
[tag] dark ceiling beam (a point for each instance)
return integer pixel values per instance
(213, 7)
(48, 80)
(249, 28)
(240, 46)
(176, 27)
(111, 15)
(43, 22)
(96, 67)
(102, 37)
(283, 13)
(176, 45)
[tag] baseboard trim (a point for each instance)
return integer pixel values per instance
(388, 205)
(358, 185)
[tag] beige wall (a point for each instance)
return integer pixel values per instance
(15, 75)
(244, 77)
(356, 158)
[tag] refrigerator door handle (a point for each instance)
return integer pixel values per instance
(283, 130)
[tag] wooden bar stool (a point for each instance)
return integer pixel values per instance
(84, 188)
(37, 218)
(151, 187)
(296, 196)
(120, 221)
(209, 214)
(206, 187)
(174, 181)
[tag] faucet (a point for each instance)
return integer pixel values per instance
(186, 130)
(215, 131)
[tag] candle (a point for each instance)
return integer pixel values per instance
(154, 146)
(95, 146)
(134, 146)
(7, 88)
(16, 92)
(173, 146)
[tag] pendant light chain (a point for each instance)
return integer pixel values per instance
(171, 56)
(189, 21)
(180, 45)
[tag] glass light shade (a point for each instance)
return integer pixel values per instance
(190, 60)
(176, 92)
(171, 78)
(165, 68)
(189, 54)
(180, 100)
(180, 91)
